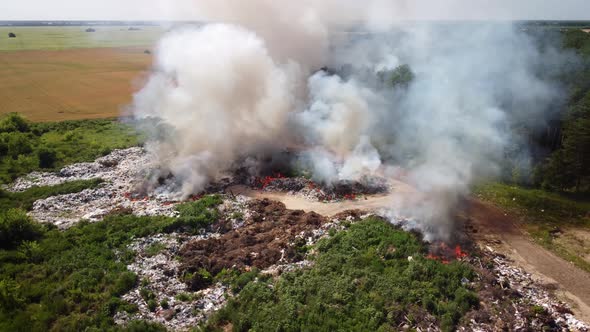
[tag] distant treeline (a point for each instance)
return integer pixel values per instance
(565, 165)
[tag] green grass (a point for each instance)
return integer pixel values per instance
(24, 200)
(537, 206)
(199, 214)
(543, 212)
(71, 280)
(27, 146)
(59, 38)
(362, 280)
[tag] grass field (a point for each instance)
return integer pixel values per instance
(71, 84)
(60, 38)
(559, 222)
(65, 73)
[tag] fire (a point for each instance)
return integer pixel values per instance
(265, 181)
(459, 253)
(445, 254)
(351, 197)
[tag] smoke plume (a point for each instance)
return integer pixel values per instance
(438, 100)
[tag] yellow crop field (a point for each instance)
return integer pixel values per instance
(60, 38)
(70, 84)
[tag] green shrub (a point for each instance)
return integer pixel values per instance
(10, 297)
(47, 157)
(154, 249)
(13, 122)
(78, 277)
(15, 227)
(194, 216)
(125, 282)
(152, 305)
(25, 147)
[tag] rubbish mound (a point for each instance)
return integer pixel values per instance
(121, 170)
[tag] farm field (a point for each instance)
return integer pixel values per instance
(82, 83)
(60, 38)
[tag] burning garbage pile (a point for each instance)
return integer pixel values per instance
(444, 253)
(314, 191)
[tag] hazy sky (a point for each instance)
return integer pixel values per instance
(184, 9)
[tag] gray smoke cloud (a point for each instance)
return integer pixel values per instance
(229, 91)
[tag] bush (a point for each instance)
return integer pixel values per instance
(76, 283)
(194, 216)
(15, 227)
(10, 297)
(47, 157)
(124, 283)
(152, 305)
(13, 122)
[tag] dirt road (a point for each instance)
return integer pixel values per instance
(491, 224)
(494, 224)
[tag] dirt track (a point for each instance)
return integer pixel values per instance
(491, 224)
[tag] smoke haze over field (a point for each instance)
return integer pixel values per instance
(236, 91)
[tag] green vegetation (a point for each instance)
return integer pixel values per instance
(568, 166)
(154, 249)
(362, 280)
(198, 214)
(72, 280)
(537, 205)
(16, 227)
(69, 280)
(25, 199)
(543, 213)
(400, 76)
(26, 146)
(59, 38)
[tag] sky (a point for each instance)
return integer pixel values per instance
(185, 9)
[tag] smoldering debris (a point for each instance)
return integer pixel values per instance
(340, 190)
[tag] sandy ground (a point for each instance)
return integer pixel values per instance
(294, 202)
(492, 225)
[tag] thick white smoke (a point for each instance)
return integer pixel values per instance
(222, 97)
(230, 91)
